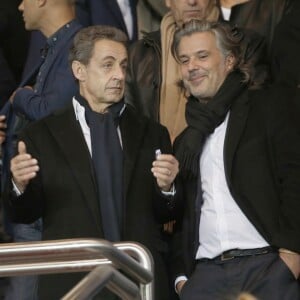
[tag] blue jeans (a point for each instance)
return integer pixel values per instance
(24, 287)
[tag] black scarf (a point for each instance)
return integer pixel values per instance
(202, 120)
(107, 158)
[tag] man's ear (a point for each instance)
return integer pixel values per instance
(41, 3)
(230, 62)
(79, 70)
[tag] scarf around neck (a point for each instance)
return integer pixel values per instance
(202, 120)
(107, 159)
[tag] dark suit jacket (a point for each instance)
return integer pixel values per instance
(94, 12)
(262, 168)
(64, 192)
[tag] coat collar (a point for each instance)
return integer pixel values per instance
(235, 128)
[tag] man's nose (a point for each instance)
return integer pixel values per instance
(192, 2)
(120, 73)
(21, 6)
(192, 65)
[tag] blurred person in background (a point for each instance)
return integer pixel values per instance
(117, 13)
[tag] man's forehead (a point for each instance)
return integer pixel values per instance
(196, 42)
(202, 2)
(110, 49)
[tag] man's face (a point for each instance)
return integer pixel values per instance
(203, 66)
(185, 10)
(31, 14)
(102, 81)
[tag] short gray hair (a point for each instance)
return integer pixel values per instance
(84, 41)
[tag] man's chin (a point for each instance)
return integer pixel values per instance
(192, 17)
(115, 99)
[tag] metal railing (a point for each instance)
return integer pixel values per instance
(77, 255)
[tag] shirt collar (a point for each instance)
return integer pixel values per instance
(80, 109)
(59, 34)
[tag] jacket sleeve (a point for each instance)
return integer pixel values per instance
(284, 141)
(59, 91)
(167, 208)
(27, 207)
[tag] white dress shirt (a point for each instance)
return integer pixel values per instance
(223, 226)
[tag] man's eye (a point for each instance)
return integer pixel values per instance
(107, 66)
(184, 61)
(203, 56)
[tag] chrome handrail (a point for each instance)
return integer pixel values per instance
(100, 277)
(77, 255)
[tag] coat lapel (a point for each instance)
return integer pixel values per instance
(132, 132)
(68, 135)
(236, 124)
(114, 7)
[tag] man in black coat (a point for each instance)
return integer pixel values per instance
(240, 165)
(88, 169)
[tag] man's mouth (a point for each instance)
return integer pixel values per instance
(196, 78)
(192, 13)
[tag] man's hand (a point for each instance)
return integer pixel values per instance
(165, 169)
(180, 285)
(23, 167)
(2, 129)
(292, 260)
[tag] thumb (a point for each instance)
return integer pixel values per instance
(22, 148)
